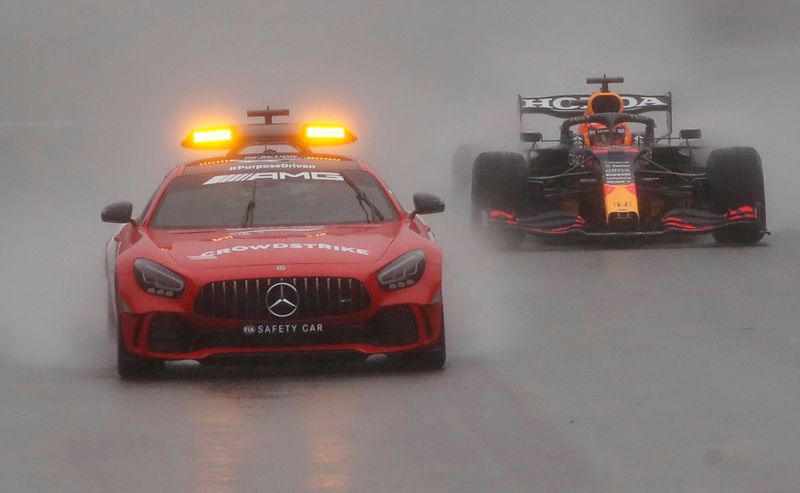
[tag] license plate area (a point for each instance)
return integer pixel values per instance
(283, 330)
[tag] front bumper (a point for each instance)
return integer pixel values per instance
(185, 336)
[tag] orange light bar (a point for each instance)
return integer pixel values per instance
(335, 132)
(222, 134)
(299, 135)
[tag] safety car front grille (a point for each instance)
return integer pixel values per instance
(317, 297)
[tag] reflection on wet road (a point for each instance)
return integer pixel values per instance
(575, 368)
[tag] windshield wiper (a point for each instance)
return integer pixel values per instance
(363, 199)
(251, 207)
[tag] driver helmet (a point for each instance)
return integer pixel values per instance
(598, 134)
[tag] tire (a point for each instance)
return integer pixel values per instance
(499, 181)
(736, 179)
(429, 360)
(131, 367)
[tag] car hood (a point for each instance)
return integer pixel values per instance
(220, 248)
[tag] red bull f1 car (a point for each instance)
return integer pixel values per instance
(608, 174)
(268, 251)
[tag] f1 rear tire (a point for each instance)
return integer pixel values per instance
(736, 179)
(499, 181)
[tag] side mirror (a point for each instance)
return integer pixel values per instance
(426, 203)
(530, 137)
(118, 212)
(689, 133)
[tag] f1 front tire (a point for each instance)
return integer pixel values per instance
(499, 181)
(736, 179)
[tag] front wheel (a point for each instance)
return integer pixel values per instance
(499, 181)
(130, 366)
(433, 359)
(736, 179)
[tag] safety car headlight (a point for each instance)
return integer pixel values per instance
(403, 271)
(158, 280)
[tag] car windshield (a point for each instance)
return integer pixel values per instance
(272, 199)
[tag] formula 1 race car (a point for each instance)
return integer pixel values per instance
(609, 175)
(274, 252)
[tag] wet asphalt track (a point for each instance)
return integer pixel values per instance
(573, 368)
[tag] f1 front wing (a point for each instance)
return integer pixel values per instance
(677, 221)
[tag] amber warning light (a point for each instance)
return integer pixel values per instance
(212, 138)
(212, 135)
(325, 132)
(301, 136)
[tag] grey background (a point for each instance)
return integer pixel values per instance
(666, 367)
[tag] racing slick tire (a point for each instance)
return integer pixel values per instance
(499, 181)
(131, 367)
(735, 179)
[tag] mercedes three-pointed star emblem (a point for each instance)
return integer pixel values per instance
(282, 299)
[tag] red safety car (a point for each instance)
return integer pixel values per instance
(277, 250)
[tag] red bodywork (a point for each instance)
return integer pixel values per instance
(229, 257)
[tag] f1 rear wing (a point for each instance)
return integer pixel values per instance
(571, 105)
